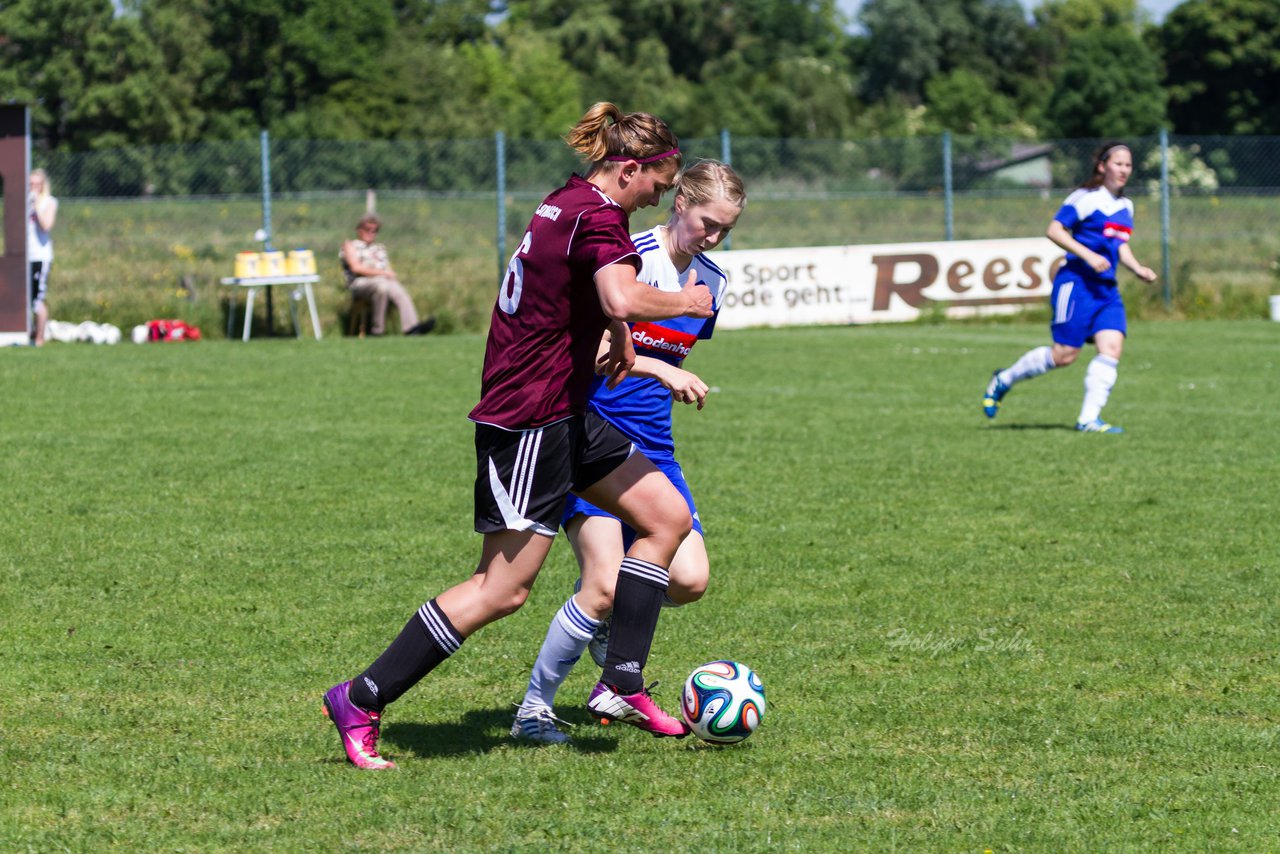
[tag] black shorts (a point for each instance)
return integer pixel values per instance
(39, 281)
(523, 477)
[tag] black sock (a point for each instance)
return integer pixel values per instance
(637, 601)
(425, 641)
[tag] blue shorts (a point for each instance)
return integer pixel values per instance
(1082, 307)
(668, 466)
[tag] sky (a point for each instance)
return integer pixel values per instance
(1156, 8)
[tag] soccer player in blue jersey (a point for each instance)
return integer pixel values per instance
(708, 200)
(1093, 226)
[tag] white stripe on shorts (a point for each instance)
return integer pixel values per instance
(1062, 311)
(522, 475)
(514, 508)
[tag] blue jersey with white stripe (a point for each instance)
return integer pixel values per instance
(639, 406)
(1102, 223)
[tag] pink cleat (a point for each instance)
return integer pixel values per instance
(639, 710)
(357, 728)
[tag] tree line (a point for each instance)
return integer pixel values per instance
(103, 74)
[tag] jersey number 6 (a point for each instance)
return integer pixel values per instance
(513, 280)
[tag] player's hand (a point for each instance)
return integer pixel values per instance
(1099, 263)
(617, 361)
(686, 387)
(1145, 273)
(699, 296)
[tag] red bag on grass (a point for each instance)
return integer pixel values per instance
(172, 330)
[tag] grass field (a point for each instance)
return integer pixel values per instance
(974, 636)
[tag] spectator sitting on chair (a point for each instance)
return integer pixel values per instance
(370, 276)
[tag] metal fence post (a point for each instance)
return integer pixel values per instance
(265, 147)
(1164, 218)
(947, 201)
(500, 153)
(726, 157)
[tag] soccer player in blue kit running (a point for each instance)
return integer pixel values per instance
(573, 277)
(708, 200)
(1093, 225)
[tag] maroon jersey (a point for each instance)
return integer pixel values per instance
(547, 323)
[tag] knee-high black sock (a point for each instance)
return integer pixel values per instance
(637, 602)
(425, 641)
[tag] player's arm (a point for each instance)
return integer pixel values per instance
(616, 355)
(685, 386)
(1128, 259)
(624, 297)
(1059, 234)
(46, 212)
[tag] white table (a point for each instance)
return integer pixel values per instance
(301, 285)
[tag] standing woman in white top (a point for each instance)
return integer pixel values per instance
(42, 210)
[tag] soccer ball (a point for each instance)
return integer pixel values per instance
(722, 702)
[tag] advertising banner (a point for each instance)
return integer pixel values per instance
(884, 282)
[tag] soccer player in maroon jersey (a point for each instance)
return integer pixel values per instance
(708, 199)
(573, 277)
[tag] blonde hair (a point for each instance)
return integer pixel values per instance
(605, 133)
(368, 219)
(44, 179)
(709, 180)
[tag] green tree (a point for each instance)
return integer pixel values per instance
(908, 42)
(527, 89)
(94, 79)
(1063, 19)
(963, 102)
(274, 58)
(765, 67)
(1108, 85)
(1057, 22)
(811, 96)
(901, 50)
(1222, 60)
(441, 22)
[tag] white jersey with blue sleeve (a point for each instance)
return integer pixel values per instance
(1102, 223)
(639, 406)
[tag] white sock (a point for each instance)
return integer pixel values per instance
(567, 638)
(1098, 381)
(1032, 363)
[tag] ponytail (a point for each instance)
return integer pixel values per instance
(606, 134)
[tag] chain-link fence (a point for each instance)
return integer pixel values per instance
(145, 232)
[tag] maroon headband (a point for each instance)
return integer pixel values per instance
(654, 159)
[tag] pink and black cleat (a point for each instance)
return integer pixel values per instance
(357, 729)
(639, 710)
